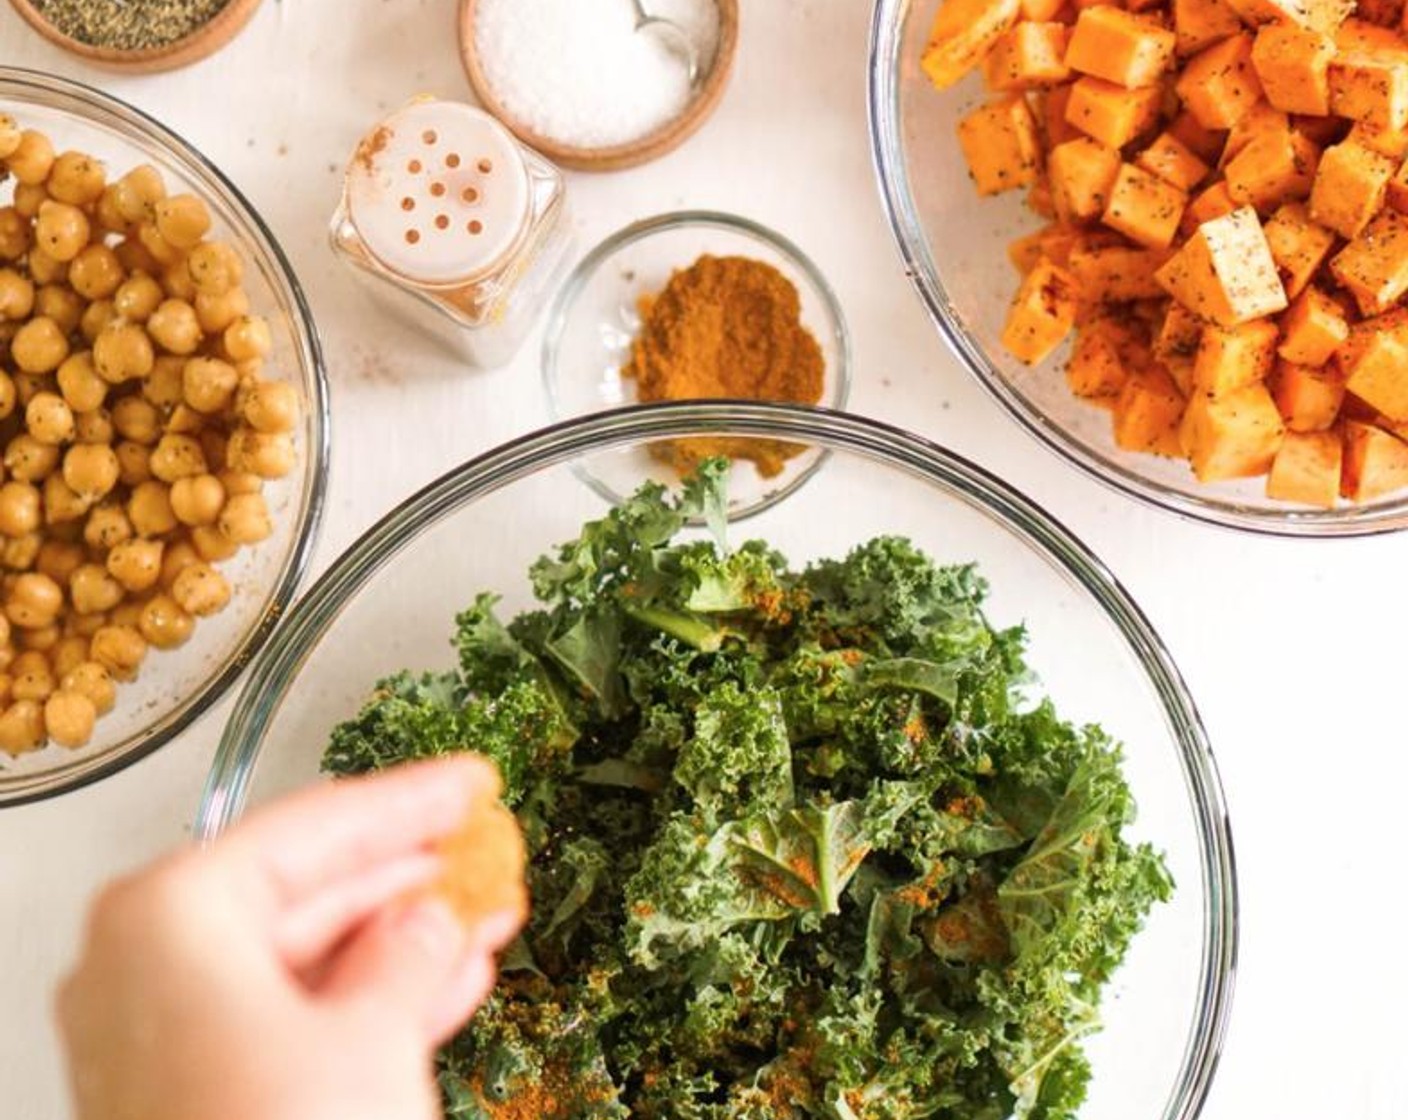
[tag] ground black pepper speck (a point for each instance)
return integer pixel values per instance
(128, 25)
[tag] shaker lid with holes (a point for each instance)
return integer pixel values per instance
(438, 192)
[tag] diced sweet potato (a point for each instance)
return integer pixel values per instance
(1041, 315)
(1205, 143)
(1396, 194)
(1272, 169)
(1041, 11)
(1225, 272)
(1307, 469)
(1219, 84)
(1213, 202)
(1374, 266)
(999, 142)
(1298, 245)
(1110, 113)
(1081, 173)
(1097, 368)
(1384, 13)
(1260, 120)
(1375, 462)
(1370, 87)
(1232, 436)
(1307, 397)
(1121, 47)
(1117, 273)
(1060, 239)
(1292, 64)
(1029, 56)
(1024, 252)
(1176, 343)
(1357, 36)
(1173, 162)
(1318, 15)
(1201, 23)
(1312, 329)
(1320, 131)
(1050, 105)
(963, 32)
(1350, 185)
(1229, 358)
(1391, 142)
(1148, 412)
(1375, 363)
(1144, 208)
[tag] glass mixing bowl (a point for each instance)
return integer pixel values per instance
(175, 688)
(389, 603)
(954, 247)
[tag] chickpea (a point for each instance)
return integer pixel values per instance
(245, 519)
(165, 624)
(135, 564)
(106, 527)
(44, 269)
(201, 590)
(29, 197)
(94, 427)
(186, 421)
(119, 650)
(177, 282)
(215, 268)
(14, 234)
(61, 230)
(269, 455)
(137, 192)
(122, 352)
(216, 313)
(176, 558)
(59, 560)
(127, 613)
(28, 460)
(93, 681)
(209, 384)
(136, 419)
(7, 688)
(91, 470)
(33, 679)
(77, 179)
(40, 346)
(92, 589)
(177, 457)
(248, 337)
(18, 554)
(19, 509)
(16, 295)
(22, 727)
(80, 384)
(96, 273)
(9, 135)
(212, 545)
(149, 509)
(165, 386)
(34, 601)
(241, 482)
(106, 213)
(198, 499)
(137, 297)
(160, 250)
(8, 395)
(183, 220)
(30, 385)
(32, 158)
(62, 503)
(85, 625)
(135, 257)
(42, 639)
(96, 316)
(270, 407)
(61, 304)
(69, 718)
(49, 418)
(135, 461)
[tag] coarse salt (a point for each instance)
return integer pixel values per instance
(577, 71)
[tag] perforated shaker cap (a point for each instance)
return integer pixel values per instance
(438, 191)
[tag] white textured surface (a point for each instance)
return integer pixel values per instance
(1291, 648)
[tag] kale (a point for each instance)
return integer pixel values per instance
(802, 846)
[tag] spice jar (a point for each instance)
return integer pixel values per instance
(442, 202)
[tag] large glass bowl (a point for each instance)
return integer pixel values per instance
(389, 603)
(175, 688)
(954, 247)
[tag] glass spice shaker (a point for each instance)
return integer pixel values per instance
(441, 201)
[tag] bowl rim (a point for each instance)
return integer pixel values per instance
(641, 229)
(25, 86)
(888, 21)
(275, 670)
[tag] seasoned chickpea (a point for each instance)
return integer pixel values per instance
(7, 686)
(106, 527)
(215, 268)
(136, 419)
(91, 469)
(177, 457)
(69, 718)
(122, 352)
(149, 509)
(127, 613)
(137, 297)
(248, 337)
(212, 545)
(62, 503)
(215, 313)
(174, 327)
(268, 455)
(270, 407)
(94, 427)
(186, 421)
(135, 564)
(177, 282)
(76, 178)
(49, 418)
(160, 250)
(30, 385)
(29, 197)
(201, 590)
(137, 192)
(35, 600)
(96, 273)
(80, 384)
(92, 589)
(183, 220)
(16, 295)
(19, 509)
(42, 639)
(165, 624)
(28, 460)
(96, 316)
(59, 560)
(10, 134)
(119, 650)
(15, 234)
(18, 554)
(44, 269)
(93, 681)
(85, 625)
(240, 482)
(106, 213)
(8, 395)
(61, 304)
(245, 519)
(209, 384)
(22, 727)
(61, 230)
(33, 678)
(135, 461)
(197, 500)
(39, 346)
(178, 555)
(32, 159)
(165, 387)
(68, 654)
(136, 258)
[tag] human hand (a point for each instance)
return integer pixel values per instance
(282, 973)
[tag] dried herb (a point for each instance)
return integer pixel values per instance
(129, 25)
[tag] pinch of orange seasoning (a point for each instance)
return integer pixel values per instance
(485, 860)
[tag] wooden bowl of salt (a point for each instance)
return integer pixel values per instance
(590, 91)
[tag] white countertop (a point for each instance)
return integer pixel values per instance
(1288, 647)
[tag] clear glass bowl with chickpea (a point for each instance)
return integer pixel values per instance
(163, 434)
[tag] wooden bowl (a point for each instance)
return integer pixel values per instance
(204, 40)
(617, 156)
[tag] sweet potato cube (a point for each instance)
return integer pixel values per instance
(1212, 202)
(1119, 46)
(999, 142)
(1229, 358)
(1173, 162)
(1232, 436)
(1391, 142)
(1205, 143)
(1225, 272)
(1081, 172)
(1350, 186)
(1144, 208)
(963, 32)
(1110, 113)
(1357, 36)
(1370, 87)
(1312, 329)
(1307, 397)
(1298, 245)
(1041, 315)
(1374, 266)
(1375, 462)
(1321, 131)
(1292, 64)
(1098, 369)
(1024, 252)
(1041, 11)
(1396, 195)
(1148, 412)
(1060, 239)
(1272, 169)
(1219, 84)
(1201, 23)
(1117, 273)
(1307, 469)
(1374, 361)
(1384, 13)
(1258, 121)
(1051, 111)
(1318, 15)
(1176, 344)
(1029, 56)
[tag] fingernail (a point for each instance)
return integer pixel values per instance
(433, 924)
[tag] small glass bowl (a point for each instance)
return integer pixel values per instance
(597, 315)
(176, 688)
